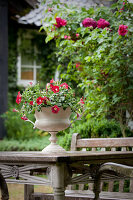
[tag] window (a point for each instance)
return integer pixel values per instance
(28, 66)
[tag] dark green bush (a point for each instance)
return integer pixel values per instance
(93, 129)
(19, 129)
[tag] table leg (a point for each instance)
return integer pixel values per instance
(57, 176)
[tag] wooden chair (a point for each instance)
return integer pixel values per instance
(108, 178)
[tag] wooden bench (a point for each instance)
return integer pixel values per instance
(85, 192)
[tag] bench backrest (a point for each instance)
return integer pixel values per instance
(104, 144)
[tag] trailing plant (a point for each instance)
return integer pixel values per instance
(96, 47)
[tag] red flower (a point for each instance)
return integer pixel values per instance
(39, 100)
(77, 65)
(122, 30)
(55, 109)
(55, 88)
(24, 118)
(18, 99)
(102, 23)
(60, 22)
(82, 101)
(87, 22)
(65, 85)
(31, 103)
(45, 100)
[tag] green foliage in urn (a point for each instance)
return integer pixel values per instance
(55, 95)
(96, 46)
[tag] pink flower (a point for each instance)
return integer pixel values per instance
(69, 37)
(14, 110)
(24, 118)
(30, 83)
(18, 99)
(122, 29)
(31, 103)
(52, 81)
(55, 109)
(123, 3)
(39, 100)
(55, 89)
(87, 22)
(65, 85)
(77, 35)
(60, 22)
(65, 36)
(102, 23)
(50, 9)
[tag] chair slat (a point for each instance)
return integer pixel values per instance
(131, 185)
(121, 185)
(110, 186)
(105, 142)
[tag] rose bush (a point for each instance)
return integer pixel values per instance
(100, 58)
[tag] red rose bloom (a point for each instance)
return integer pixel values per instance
(60, 22)
(87, 22)
(122, 30)
(65, 85)
(55, 88)
(24, 118)
(18, 99)
(31, 103)
(39, 100)
(102, 23)
(55, 109)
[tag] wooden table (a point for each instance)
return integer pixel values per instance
(21, 167)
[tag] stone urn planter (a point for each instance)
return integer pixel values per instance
(52, 122)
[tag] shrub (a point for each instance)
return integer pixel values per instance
(19, 129)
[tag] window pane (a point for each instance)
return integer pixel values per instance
(27, 73)
(27, 59)
(38, 74)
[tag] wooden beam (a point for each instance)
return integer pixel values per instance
(3, 62)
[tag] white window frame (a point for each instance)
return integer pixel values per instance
(20, 81)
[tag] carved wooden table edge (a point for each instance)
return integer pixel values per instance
(22, 165)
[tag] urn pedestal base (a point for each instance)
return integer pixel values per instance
(53, 148)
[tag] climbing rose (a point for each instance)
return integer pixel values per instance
(60, 22)
(55, 88)
(18, 99)
(65, 36)
(39, 100)
(55, 109)
(102, 23)
(122, 30)
(65, 85)
(89, 22)
(24, 118)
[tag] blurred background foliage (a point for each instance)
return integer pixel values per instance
(20, 134)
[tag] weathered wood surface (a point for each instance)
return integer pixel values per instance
(68, 157)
